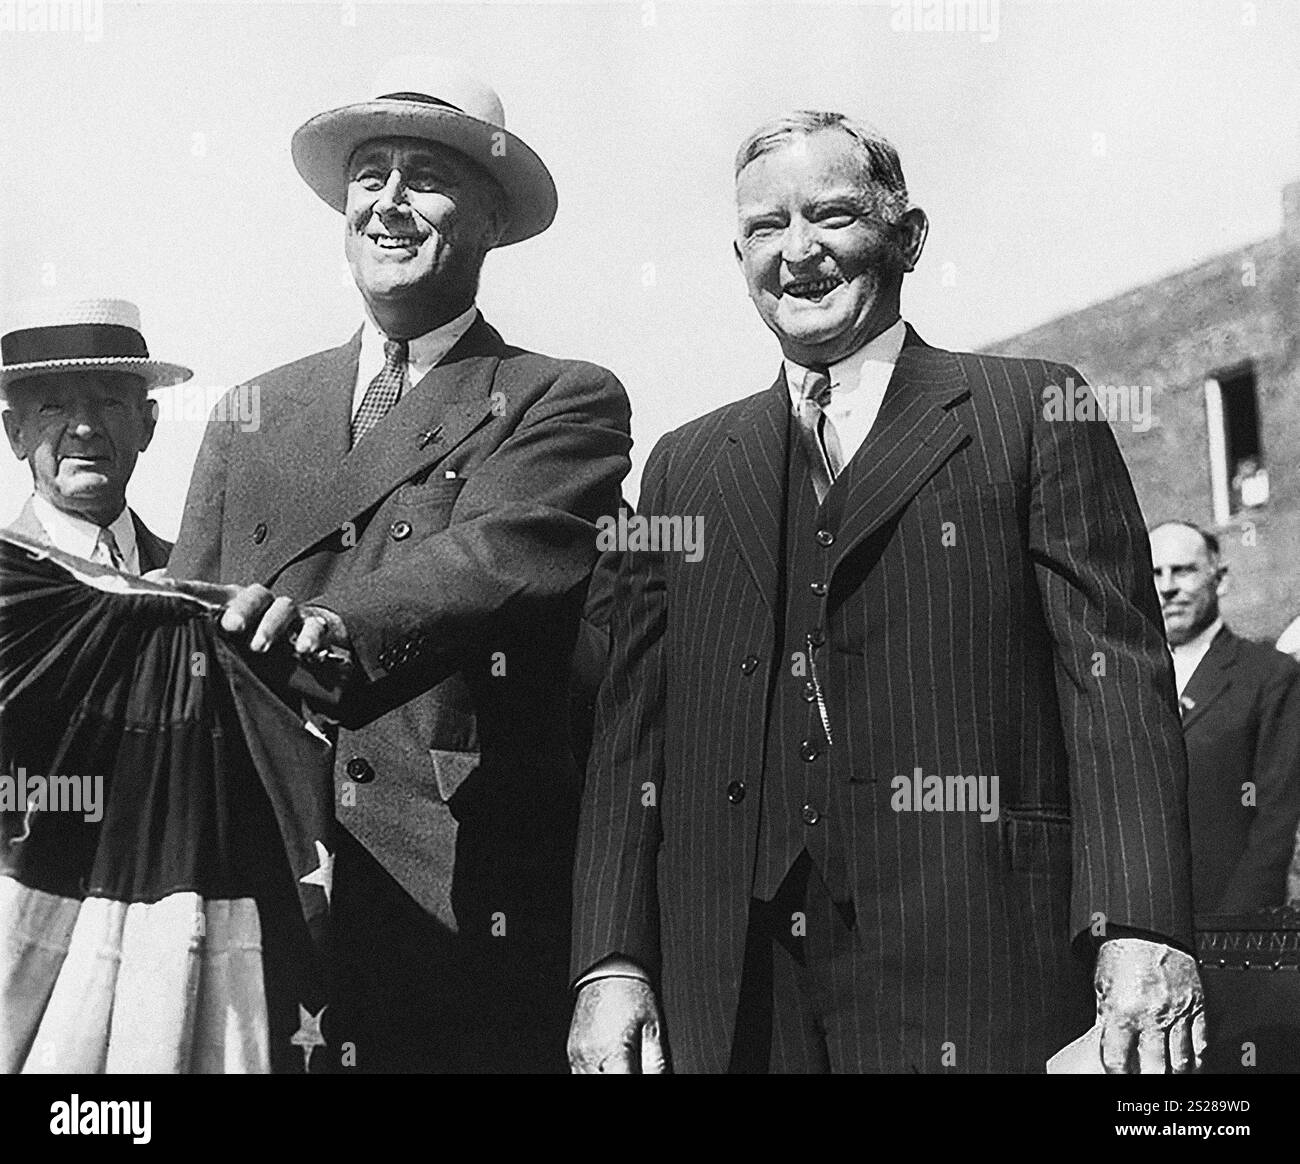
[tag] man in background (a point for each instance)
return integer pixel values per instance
(75, 381)
(1240, 705)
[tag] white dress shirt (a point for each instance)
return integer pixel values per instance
(858, 384)
(424, 352)
(76, 535)
(1188, 656)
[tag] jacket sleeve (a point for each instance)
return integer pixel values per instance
(524, 536)
(615, 897)
(197, 553)
(1114, 678)
(1259, 879)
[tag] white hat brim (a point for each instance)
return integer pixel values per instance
(323, 147)
(155, 373)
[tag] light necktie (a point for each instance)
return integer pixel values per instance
(816, 432)
(106, 551)
(383, 391)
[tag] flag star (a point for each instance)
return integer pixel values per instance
(323, 874)
(308, 1035)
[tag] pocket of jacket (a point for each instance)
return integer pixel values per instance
(1037, 840)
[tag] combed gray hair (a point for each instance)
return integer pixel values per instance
(883, 168)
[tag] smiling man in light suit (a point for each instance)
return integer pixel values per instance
(425, 496)
(913, 575)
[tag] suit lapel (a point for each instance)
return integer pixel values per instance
(1212, 677)
(750, 476)
(337, 483)
(152, 551)
(914, 434)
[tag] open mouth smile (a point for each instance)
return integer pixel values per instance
(811, 289)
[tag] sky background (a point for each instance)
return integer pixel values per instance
(1076, 150)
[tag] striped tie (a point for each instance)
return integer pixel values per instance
(383, 391)
(820, 445)
(106, 551)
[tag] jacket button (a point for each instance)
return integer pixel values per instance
(825, 537)
(399, 530)
(809, 751)
(358, 768)
(817, 636)
(735, 792)
(748, 663)
(818, 588)
(810, 815)
(259, 533)
(810, 692)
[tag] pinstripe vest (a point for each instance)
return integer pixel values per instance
(797, 797)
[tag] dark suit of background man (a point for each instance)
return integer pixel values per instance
(911, 570)
(426, 496)
(75, 379)
(1241, 720)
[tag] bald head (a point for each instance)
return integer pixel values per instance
(1189, 578)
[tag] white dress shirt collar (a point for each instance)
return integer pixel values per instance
(75, 535)
(424, 351)
(858, 384)
(1188, 655)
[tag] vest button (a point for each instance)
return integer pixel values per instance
(810, 692)
(817, 636)
(735, 792)
(818, 588)
(358, 768)
(810, 815)
(399, 530)
(825, 537)
(809, 751)
(748, 664)
(259, 533)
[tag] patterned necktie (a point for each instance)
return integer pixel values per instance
(816, 432)
(106, 551)
(383, 391)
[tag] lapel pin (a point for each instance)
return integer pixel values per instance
(427, 438)
(1186, 703)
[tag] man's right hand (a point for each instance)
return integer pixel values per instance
(616, 1029)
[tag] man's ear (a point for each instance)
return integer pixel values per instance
(912, 230)
(1221, 586)
(735, 251)
(13, 430)
(149, 407)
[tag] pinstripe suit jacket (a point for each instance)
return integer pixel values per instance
(990, 613)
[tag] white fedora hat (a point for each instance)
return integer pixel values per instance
(42, 336)
(433, 99)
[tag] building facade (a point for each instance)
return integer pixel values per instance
(1199, 375)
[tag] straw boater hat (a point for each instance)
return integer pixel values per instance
(434, 99)
(82, 335)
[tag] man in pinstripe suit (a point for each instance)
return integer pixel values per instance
(915, 583)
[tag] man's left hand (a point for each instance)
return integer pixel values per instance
(1151, 1008)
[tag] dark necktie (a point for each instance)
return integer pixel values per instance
(816, 394)
(383, 391)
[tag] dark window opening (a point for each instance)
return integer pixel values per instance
(1247, 474)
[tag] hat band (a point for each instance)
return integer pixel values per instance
(423, 98)
(72, 341)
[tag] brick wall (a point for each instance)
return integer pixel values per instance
(1173, 334)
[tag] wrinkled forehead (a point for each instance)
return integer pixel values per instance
(1178, 545)
(805, 165)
